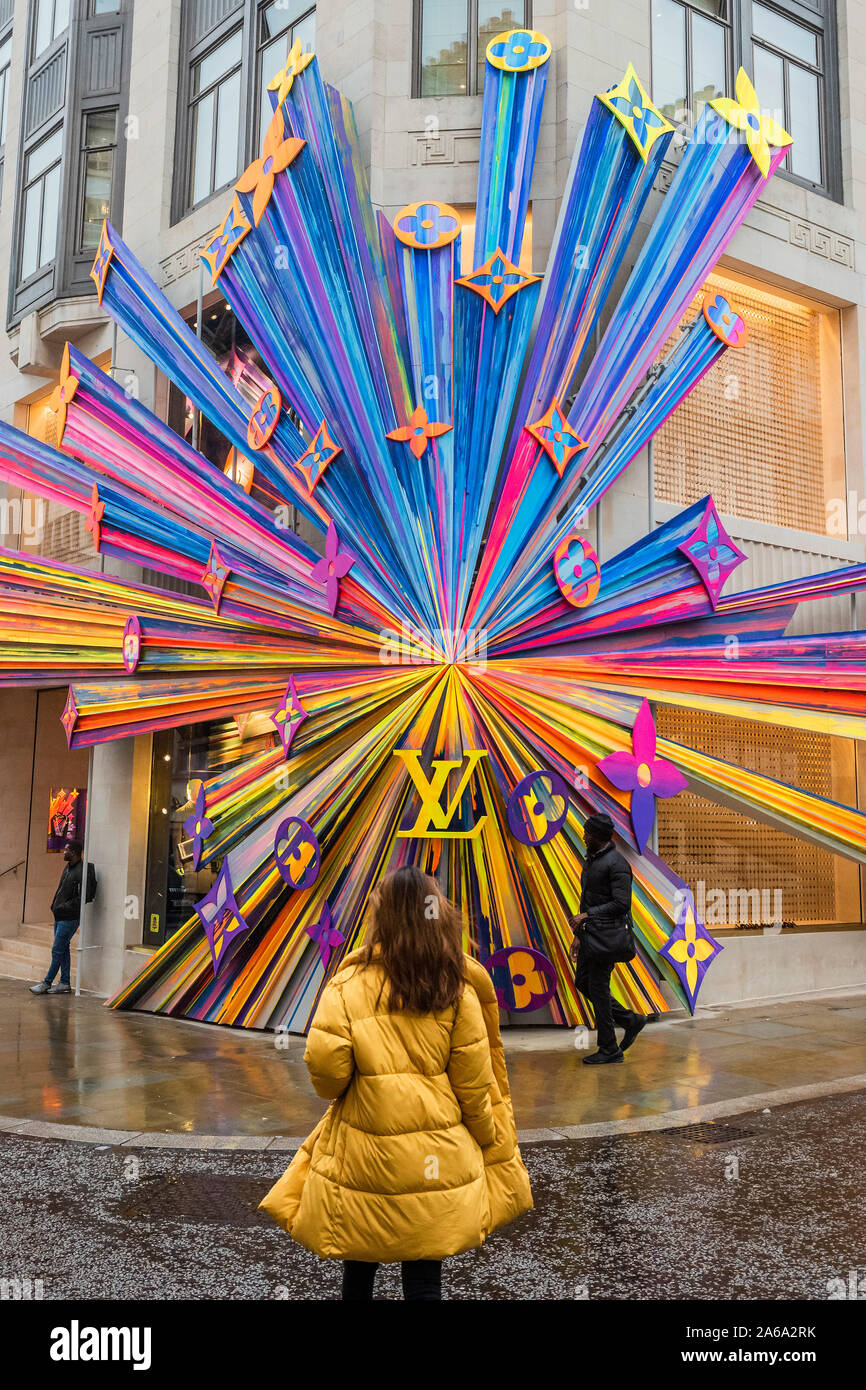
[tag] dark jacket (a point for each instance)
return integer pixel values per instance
(66, 905)
(605, 885)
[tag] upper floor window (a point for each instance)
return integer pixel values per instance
(52, 18)
(215, 118)
(99, 141)
(104, 7)
(451, 38)
(5, 65)
(788, 62)
(224, 103)
(41, 204)
(788, 48)
(280, 25)
(691, 54)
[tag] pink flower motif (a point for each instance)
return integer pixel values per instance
(643, 774)
(333, 566)
(712, 552)
(325, 934)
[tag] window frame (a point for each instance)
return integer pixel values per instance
(5, 76)
(79, 249)
(727, 24)
(56, 38)
(195, 100)
(259, 46)
(472, 88)
(26, 185)
(818, 20)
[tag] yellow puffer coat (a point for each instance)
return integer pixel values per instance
(417, 1157)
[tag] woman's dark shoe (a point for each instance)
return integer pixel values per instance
(60, 989)
(597, 1059)
(632, 1031)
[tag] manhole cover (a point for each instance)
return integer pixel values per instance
(201, 1198)
(708, 1133)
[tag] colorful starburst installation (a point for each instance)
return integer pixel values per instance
(453, 678)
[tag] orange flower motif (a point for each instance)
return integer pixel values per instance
(745, 114)
(93, 524)
(63, 394)
(277, 155)
(419, 431)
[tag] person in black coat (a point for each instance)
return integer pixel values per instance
(66, 908)
(605, 896)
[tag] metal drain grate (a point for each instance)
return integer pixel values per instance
(708, 1133)
(199, 1198)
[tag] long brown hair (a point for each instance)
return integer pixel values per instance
(416, 935)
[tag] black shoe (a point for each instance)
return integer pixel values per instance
(41, 988)
(632, 1031)
(60, 989)
(598, 1059)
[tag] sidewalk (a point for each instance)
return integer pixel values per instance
(73, 1069)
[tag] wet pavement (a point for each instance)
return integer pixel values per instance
(74, 1062)
(772, 1209)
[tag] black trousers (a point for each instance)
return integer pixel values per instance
(592, 978)
(422, 1280)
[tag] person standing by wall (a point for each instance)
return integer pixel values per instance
(66, 908)
(605, 910)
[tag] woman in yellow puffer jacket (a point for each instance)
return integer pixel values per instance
(416, 1158)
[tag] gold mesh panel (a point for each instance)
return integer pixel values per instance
(709, 844)
(760, 430)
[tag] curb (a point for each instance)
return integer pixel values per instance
(669, 1119)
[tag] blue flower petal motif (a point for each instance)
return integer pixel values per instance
(517, 49)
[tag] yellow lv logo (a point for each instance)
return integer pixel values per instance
(434, 818)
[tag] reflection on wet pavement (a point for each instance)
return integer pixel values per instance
(74, 1061)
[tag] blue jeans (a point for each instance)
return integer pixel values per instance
(63, 934)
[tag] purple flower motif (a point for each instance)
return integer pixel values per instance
(335, 563)
(643, 774)
(223, 922)
(198, 827)
(325, 934)
(289, 717)
(712, 552)
(690, 949)
(517, 50)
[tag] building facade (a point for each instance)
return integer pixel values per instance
(147, 113)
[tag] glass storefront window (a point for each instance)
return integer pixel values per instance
(747, 873)
(763, 430)
(183, 759)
